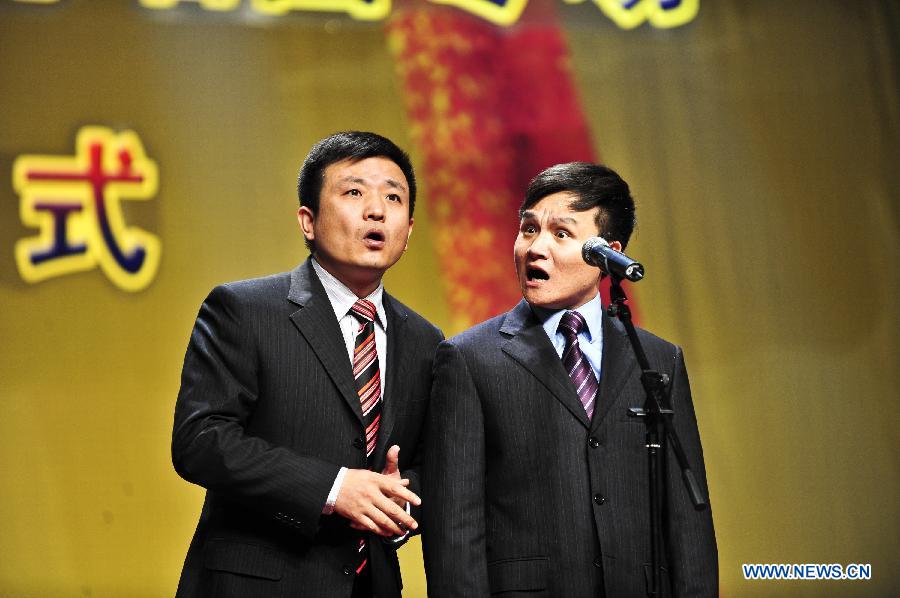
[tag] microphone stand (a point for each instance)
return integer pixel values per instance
(657, 415)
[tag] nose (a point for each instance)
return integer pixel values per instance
(374, 209)
(539, 247)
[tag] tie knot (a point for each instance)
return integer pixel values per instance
(364, 310)
(571, 324)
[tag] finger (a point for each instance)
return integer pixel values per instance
(398, 515)
(384, 520)
(392, 466)
(389, 482)
(401, 492)
(367, 524)
(358, 527)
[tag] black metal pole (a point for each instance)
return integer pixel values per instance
(654, 470)
(658, 419)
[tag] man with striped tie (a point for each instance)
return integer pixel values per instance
(303, 396)
(534, 478)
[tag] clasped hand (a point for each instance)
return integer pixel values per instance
(376, 502)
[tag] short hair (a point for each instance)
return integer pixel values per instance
(349, 145)
(593, 186)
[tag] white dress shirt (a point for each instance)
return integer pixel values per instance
(342, 299)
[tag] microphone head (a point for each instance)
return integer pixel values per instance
(597, 252)
(587, 250)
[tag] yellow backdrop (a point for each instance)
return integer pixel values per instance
(761, 142)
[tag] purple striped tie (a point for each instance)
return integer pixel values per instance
(367, 375)
(576, 365)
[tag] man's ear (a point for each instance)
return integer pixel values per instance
(616, 245)
(408, 234)
(307, 221)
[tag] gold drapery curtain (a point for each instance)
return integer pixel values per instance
(761, 142)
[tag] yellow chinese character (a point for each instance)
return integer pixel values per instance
(75, 202)
(500, 12)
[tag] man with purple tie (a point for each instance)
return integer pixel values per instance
(535, 477)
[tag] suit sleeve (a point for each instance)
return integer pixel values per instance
(691, 539)
(453, 482)
(413, 470)
(210, 445)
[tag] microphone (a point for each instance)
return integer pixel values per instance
(597, 252)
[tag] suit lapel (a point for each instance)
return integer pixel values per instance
(316, 322)
(530, 347)
(616, 367)
(397, 365)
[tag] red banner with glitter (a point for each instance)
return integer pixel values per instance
(489, 108)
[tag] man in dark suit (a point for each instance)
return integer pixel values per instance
(303, 396)
(534, 477)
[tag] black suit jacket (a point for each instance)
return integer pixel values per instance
(522, 494)
(266, 416)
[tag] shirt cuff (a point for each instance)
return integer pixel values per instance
(328, 509)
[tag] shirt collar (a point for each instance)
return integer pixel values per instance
(592, 312)
(342, 298)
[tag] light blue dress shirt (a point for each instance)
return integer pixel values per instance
(590, 339)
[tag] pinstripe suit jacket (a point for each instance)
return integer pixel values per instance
(522, 495)
(267, 414)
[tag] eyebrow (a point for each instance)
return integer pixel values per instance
(353, 179)
(529, 215)
(359, 181)
(395, 184)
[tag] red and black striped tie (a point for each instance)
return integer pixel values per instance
(367, 374)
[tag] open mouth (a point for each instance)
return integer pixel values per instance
(374, 235)
(536, 274)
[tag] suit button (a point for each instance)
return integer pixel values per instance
(358, 443)
(599, 499)
(348, 570)
(593, 442)
(598, 562)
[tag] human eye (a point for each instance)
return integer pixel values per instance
(394, 197)
(562, 234)
(528, 229)
(353, 192)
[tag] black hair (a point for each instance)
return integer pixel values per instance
(355, 146)
(593, 186)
